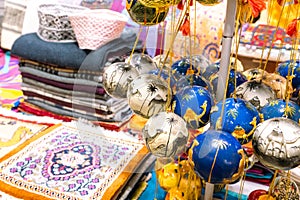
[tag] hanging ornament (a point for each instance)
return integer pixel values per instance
(240, 118)
(144, 14)
(285, 188)
(148, 95)
(193, 104)
(160, 61)
(200, 62)
(168, 176)
(142, 62)
(291, 68)
(183, 67)
(235, 80)
(194, 79)
(117, 77)
(256, 92)
(254, 73)
(209, 2)
(166, 134)
(275, 143)
(280, 108)
(210, 70)
(278, 83)
(165, 77)
(217, 157)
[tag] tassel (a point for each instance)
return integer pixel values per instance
(291, 28)
(180, 5)
(257, 6)
(185, 28)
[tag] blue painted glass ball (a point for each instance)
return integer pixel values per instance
(193, 104)
(283, 70)
(194, 79)
(217, 156)
(183, 66)
(210, 70)
(239, 76)
(278, 108)
(239, 118)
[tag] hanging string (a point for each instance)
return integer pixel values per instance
(226, 192)
(213, 164)
(145, 44)
(272, 183)
(242, 185)
(135, 43)
(273, 40)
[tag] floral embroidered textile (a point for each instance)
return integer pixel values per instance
(71, 162)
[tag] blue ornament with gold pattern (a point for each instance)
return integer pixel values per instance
(281, 108)
(240, 118)
(183, 67)
(193, 104)
(290, 67)
(217, 156)
(232, 84)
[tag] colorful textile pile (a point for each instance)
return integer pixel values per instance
(62, 79)
(71, 161)
(11, 80)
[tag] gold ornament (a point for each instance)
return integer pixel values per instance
(146, 15)
(209, 2)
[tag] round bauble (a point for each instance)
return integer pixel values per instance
(235, 79)
(183, 67)
(240, 118)
(142, 62)
(193, 104)
(166, 134)
(254, 73)
(117, 77)
(209, 2)
(279, 85)
(148, 95)
(276, 143)
(288, 68)
(256, 92)
(144, 14)
(217, 156)
(168, 176)
(281, 108)
(200, 62)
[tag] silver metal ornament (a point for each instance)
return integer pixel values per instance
(256, 92)
(117, 77)
(142, 62)
(148, 95)
(276, 143)
(166, 134)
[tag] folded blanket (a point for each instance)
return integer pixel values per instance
(62, 91)
(109, 105)
(68, 73)
(77, 87)
(123, 116)
(30, 109)
(69, 55)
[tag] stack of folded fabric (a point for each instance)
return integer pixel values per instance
(63, 80)
(10, 87)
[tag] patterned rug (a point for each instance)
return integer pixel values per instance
(71, 161)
